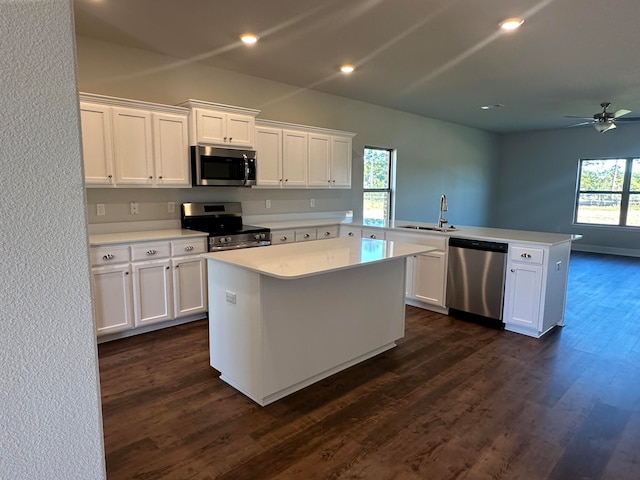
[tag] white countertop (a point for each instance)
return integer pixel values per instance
(142, 236)
(297, 260)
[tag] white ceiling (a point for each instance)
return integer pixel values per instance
(438, 58)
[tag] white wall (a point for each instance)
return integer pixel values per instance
(50, 418)
(537, 183)
(434, 157)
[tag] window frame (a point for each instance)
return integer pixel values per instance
(624, 193)
(391, 175)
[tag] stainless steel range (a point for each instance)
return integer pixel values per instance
(223, 223)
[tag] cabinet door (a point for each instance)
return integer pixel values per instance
(341, 162)
(189, 285)
(171, 150)
(523, 288)
(429, 278)
(133, 146)
(240, 130)
(211, 126)
(294, 158)
(319, 161)
(152, 292)
(269, 156)
(112, 298)
(97, 146)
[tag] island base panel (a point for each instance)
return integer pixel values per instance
(282, 335)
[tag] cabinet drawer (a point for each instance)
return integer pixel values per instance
(327, 232)
(373, 233)
(350, 232)
(306, 234)
(150, 251)
(188, 247)
(527, 255)
(284, 236)
(109, 254)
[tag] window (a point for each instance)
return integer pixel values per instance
(377, 182)
(608, 192)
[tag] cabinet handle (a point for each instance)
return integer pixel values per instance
(372, 236)
(188, 248)
(286, 179)
(333, 181)
(350, 234)
(283, 239)
(225, 139)
(151, 252)
(108, 256)
(231, 139)
(110, 176)
(513, 270)
(168, 268)
(160, 177)
(126, 273)
(525, 255)
(326, 234)
(306, 235)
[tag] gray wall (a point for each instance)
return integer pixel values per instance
(50, 420)
(537, 183)
(434, 157)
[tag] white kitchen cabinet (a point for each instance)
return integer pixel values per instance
(112, 298)
(295, 154)
(428, 278)
(97, 146)
(171, 150)
(152, 291)
(306, 234)
(535, 287)
(189, 285)
(269, 156)
(222, 125)
(298, 156)
(319, 166)
(133, 152)
(282, 236)
(132, 143)
(341, 161)
(303, 234)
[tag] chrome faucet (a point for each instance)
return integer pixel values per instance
(443, 208)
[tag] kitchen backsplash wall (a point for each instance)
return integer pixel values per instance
(153, 204)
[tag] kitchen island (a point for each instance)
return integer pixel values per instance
(286, 316)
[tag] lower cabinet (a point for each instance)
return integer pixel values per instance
(523, 287)
(303, 234)
(428, 278)
(152, 292)
(113, 299)
(133, 293)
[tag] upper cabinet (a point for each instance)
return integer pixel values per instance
(297, 156)
(223, 125)
(127, 142)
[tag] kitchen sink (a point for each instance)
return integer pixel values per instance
(433, 229)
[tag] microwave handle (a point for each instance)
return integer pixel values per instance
(246, 169)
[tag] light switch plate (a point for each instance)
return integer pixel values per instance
(171, 207)
(100, 210)
(312, 202)
(231, 297)
(134, 208)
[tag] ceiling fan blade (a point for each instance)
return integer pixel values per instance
(621, 112)
(578, 116)
(580, 124)
(628, 119)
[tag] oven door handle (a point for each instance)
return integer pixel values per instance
(246, 169)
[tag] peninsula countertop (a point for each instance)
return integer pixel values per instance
(298, 260)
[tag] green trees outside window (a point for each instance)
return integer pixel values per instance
(377, 182)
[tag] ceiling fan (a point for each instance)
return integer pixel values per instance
(604, 120)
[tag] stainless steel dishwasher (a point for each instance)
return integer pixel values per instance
(475, 277)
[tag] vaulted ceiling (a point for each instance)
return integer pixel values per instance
(438, 58)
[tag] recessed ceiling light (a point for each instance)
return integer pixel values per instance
(347, 68)
(248, 38)
(493, 105)
(511, 23)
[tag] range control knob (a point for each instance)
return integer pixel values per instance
(228, 239)
(223, 240)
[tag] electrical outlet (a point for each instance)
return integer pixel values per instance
(267, 204)
(312, 202)
(558, 266)
(100, 210)
(231, 297)
(171, 207)
(133, 208)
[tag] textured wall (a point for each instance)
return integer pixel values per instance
(50, 419)
(434, 157)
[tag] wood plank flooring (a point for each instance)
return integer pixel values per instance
(454, 400)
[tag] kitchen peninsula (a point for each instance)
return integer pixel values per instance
(286, 316)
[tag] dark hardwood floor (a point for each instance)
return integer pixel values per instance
(454, 400)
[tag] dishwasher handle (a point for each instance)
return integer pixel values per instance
(483, 245)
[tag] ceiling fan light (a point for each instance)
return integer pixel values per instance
(604, 126)
(511, 24)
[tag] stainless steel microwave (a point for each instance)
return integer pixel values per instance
(222, 166)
